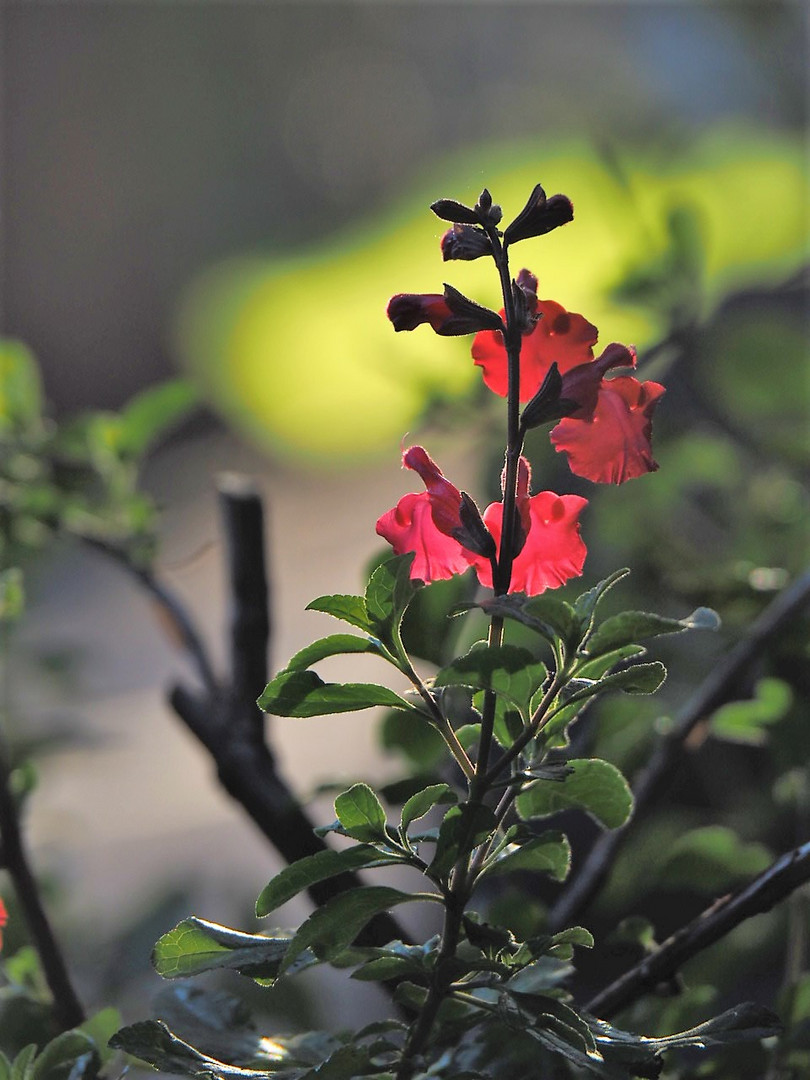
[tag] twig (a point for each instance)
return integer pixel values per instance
(224, 716)
(67, 1008)
(720, 686)
(787, 874)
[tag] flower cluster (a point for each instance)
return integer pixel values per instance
(435, 524)
(533, 351)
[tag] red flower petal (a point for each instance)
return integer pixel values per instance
(445, 498)
(410, 527)
(614, 445)
(560, 337)
(553, 551)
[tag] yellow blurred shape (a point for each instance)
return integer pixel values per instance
(299, 354)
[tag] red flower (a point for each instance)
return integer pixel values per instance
(553, 550)
(559, 336)
(607, 438)
(427, 523)
(3, 919)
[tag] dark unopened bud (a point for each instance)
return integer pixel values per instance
(525, 302)
(519, 535)
(465, 242)
(469, 317)
(539, 216)
(547, 404)
(489, 213)
(450, 210)
(473, 533)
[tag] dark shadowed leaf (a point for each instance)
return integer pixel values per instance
(507, 669)
(419, 804)
(153, 1042)
(299, 875)
(333, 927)
(463, 828)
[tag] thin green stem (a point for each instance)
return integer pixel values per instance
(539, 718)
(441, 723)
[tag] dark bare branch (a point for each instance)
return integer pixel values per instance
(787, 874)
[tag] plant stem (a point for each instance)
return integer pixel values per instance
(66, 1005)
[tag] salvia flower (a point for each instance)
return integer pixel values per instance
(442, 527)
(607, 430)
(539, 216)
(3, 919)
(452, 314)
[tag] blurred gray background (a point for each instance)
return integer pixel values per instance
(142, 141)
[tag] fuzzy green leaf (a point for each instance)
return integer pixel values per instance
(388, 593)
(632, 626)
(335, 925)
(586, 603)
(304, 693)
(507, 669)
(360, 813)
(350, 609)
(549, 853)
(299, 875)
(334, 645)
(464, 827)
(21, 1065)
(419, 804)
(594, 786)
(196, 945)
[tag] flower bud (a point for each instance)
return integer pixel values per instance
(473, 533)
(450, 210)
(539, 216)
(465, 242)
(548, 405)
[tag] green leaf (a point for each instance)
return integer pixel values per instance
(350, 609)
(412, 735)
(746, 721)
(549, 853)
(21, 1066)
(299, 875)
(586, 604)
(594, 786)
(631, 626)
(600, 665)
(303, 693)
(419, 804)
(388, 593)
(507, 669)
(710, 859)
(464, 827)
(334, 645)
(151, 413)
(70, 1056)
(360, 813)
(196, 945)
(100, 1027)
(574, 935)
(333, 927)
(152, 1041)
(12, 594)
(548, 615)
